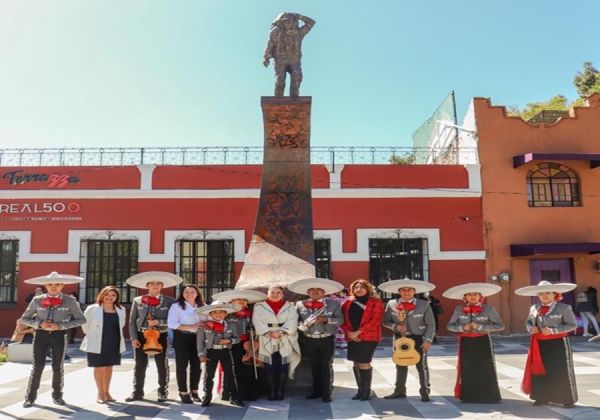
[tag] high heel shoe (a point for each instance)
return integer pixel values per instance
(185, 398)
(196, 397)
(109, 398)
(101, 399)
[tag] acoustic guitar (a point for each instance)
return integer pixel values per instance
(405, 353)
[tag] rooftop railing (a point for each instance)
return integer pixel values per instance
(125, 156)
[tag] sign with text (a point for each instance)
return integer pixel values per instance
(40, 211)
(52, 180)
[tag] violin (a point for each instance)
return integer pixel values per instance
(152, 345)
(251, 356)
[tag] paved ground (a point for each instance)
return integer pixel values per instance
(80, 392)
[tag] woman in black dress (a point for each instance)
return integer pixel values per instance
(104, 341)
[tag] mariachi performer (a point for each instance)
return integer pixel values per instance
(214, 341)
(244, 353)
(276, 323)
(148, 324)
(549, 375)
(418, 325)
(51, 314)
(319, 319)
(476, 379)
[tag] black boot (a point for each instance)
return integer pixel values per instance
(358, 383)
(281, 380)
(366, 376)
(271, 381)
(400, 385)
(208, 386)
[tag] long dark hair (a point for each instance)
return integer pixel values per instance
(199, 298)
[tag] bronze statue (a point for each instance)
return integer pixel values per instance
(285, 48)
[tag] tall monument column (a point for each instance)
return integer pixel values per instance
(282, 246)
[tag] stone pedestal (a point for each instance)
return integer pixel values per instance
(282, 246)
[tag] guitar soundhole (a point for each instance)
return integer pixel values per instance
(405, 347)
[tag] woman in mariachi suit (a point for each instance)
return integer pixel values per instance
(242, 322)
(549, 375)
(476, 382)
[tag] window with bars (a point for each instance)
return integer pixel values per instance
(323, 258)
(397, 258)
(207, 263)
(552, 185)
(108, 262)
(9, 270)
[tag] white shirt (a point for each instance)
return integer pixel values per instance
(187, 316)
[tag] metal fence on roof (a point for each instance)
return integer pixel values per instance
(125, 156)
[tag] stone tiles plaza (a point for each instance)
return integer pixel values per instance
(511, 352)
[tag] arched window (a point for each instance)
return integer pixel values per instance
(552, 185)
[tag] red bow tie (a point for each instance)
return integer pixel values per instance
(150, 300)
(405, 306)
(215, 326)
(472, 309)
(313, 304)
(244, 313)
(51, 301)
(543, 310)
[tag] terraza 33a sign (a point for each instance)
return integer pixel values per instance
(54, 180)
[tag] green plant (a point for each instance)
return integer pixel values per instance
(3, 352)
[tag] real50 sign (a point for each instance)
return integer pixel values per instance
(55, 211)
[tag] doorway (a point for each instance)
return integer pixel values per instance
(555, 271)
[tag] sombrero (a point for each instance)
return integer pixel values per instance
(218, 306)
(392, 286)
(252, 296)
(54, 277)
(484, 289)
(545, 286)
(301, 286)
(142, 279)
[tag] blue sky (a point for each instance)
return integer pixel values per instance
(111, 73)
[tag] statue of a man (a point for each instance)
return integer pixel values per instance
(285, 48)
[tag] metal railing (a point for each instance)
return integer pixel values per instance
(126, 156)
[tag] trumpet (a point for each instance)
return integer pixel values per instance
(310, 321)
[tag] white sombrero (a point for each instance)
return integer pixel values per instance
(484, 289)
(301, 286)
(252, 296)
(545, 286)
(142, 279)
(54, 277)
(392, 286)
(218, 306)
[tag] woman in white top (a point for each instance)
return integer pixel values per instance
(103, 339)
(184, 321)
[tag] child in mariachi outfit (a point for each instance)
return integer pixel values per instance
(215, 340)
(150, 311)
(245, 371)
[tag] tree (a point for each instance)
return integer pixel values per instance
(556, 103)
(405, 159)
(588, 81)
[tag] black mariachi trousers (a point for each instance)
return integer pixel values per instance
(141, 363)
(214, 356)
(43, 340)
(320, 352)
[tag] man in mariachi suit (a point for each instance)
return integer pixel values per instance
(319, 318)
(245, 372)
(419, 326)
(150, 311)
(215, 340)
(51, 314)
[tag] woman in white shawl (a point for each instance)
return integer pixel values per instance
(276, 323)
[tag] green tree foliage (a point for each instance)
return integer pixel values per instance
(588, 81)
(405, 159)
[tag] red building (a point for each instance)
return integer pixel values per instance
(106, 223)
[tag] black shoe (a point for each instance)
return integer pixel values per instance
(568, 405)
(28, 403)
(327, 398)
(236, 402)
(185, 398)
(536, 403)
(394, 395)
(71, 341)
(161, 397)
(314, 395)
(58, 401)
(67, 357)
(196, 397)
(425, 398)
(205, 402)
(134, 397)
